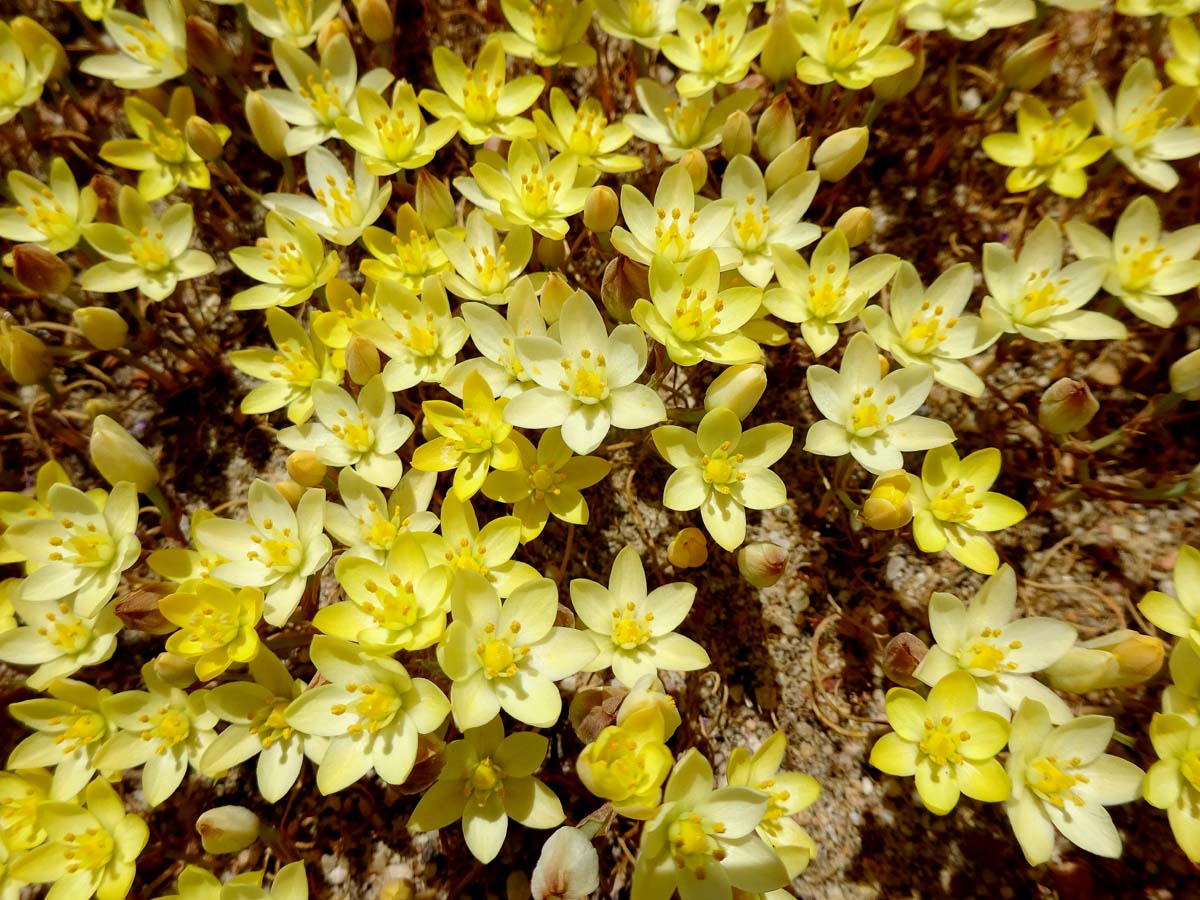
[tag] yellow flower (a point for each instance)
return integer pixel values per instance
(586, 133)
(550, 32)
(290, 261)
(711, 54)
(1184, 66)
(392, 138)
(627, 764)
(1173, 783)
(408, 254)
(50, 215)
(217, 626)
(24, 70)
(676, 126)
(1178, 615)
(851, 52)
(296, 21)
(153, 49)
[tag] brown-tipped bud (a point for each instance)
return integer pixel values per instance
(1185, 376)
(177, 671)
(1030, 63)
(555, 292)
(841, 152)
(791, 162)
(107, 190)
(901, 657)
(782, 50)
(893, 87)
(227, 829)
(688, 549)
(362, 359)
(23, 355)
(32, 38)
(331, 30)
(551, 252)
(306, 470)
(206, 50)
(40, 270)
(139, 610)
(600, 209)
(118, 456)
(762, 563)
(203, 138)
(267, 126)
(291, 491)
(889, 505)
(776, 129)
(857, 224)
(103, 327)
(737, 135)
(1116, 660)
(434, 202)
(737, 388)
(624, 283)
(697, 167)
(376, 19)
(1067, 406)
(593, 709)
(427, 767)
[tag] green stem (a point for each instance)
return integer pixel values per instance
(170, 522)
(995, 103)
(1163, 404)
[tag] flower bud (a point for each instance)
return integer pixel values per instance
(267, 126)
(206, 51)
(139, 610)
(118, 456)
(737, 135)
(593, 709)
(857, 224)
(889, 505)
(203, 138)
(103, 327)
(648, 694)
(291, 491)
(568, 867)
(1067, 406)
(688, 549)
(624, 283)
(434, 203)
(107, 189)
(306, 470)
(893, 87)
(782, 50)
(762, 563)
(40, 270)
(1120, 659)
(227, 829)
(328, 32)
(177, 671)
(24, 355)
(841, 152)
(555, 292)
(1030, 63)
(697, 167)
(376, 19)
(362, 359)
(776, 129)
(1185, 376)
(737, 388)
(32, 38)
(600, 209)
(901, 657)
(551, 252)
(98, 406)
(791, 162)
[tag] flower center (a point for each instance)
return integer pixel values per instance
(375, 709)
(46, 213)
(588, 131)
(844, 44)
(147, 250)
(926, 330)
(673, 234)
(282, 550)
(866, 416)
(170, 727)
(1147, 121)
(81, 543)
(696, 317)
(1141, 263)
(499, 657)
(721, 470)
(538, 191)
(65, 630)
(629, 631)
(299, 366)
(357, 435)
(211, 628)
(287, 263)
(1052, 784)
(340, 201)
(485, 778)
(479, 97)
(547, 21)
(83, 728)
(714, 47)
(693, 844)
(395, 609)
(90, 850)
(145, 44)
(19, 804)
(983, 655)
(1040, 298)
(270, 723)
(323, 99)
(940, 741)
(955, 504)
(493, 271)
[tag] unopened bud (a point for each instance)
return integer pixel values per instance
(840, 153)
(362, 359)
(624, 283)
(857, 224)
(118, 456)
(762, 563)
(593, 709)
(177, 671)
(889, 505)
(737, 135)
(328, 32)
(1185, 376)
(555, 292)
(738, 388)
(782, 50)
(568, 867)
(648, 695)
(551, 252)
(267, 126)
(776, 129)
(1030, 63)
(901, 657)
(227, 829)
(33, 38)
(291, 491)
(688, 549)
(697, 167)
(107, 189)
(1067, 406)
(40, 270)
(434, 203)
(376, 19)
(600, 209)
(1116, 660)
(139, 610)
(206, 50)
(24, 355)
(893, 87)
(103, 327)
(305, 469)
(787, 165)
(202, 137)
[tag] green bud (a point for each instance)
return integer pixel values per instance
(203, 138)
(327, 33)
(737, 135)
(103, 327)
(697, 167)
(791, 162)
(305, 469)
(1121, 659)
(857, 224)
(1030, 63)
(434, 203)
(776, 129)
(23, 355)
(762, 563)
(555, 292)
(893, 87)
(227, 829)
(737, 388)
(267, 126)
(782, 50)
(1185, 376)
(362, 359)
(118, 456)
(376, 19)
(840, 153)
(551, 252)
(291, 491)
(1067, 406)
(600, 209)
